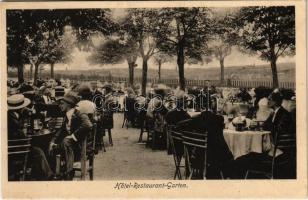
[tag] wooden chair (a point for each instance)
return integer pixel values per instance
(87, 154)
(195, 147)
(176, 143)
(269, 168)
(169, 128)
(18, 152)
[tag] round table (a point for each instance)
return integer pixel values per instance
(243, 142)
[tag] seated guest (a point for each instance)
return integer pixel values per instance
(45, 95)
(243, 95)
(178, 113)
(17, 112)
(156, 103)
(264, 111)
(75, 128)
(85, 105)
(279, 122)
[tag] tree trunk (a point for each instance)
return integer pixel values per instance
(31, 71)
(131, 67)
(180, 62)
(144, 76)
(222, 71)
(52, 73)
(274, 73)
(36, 69)
(20, 73)
(159, 71)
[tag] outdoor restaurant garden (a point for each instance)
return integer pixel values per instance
(151, 93)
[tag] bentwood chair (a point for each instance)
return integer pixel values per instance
(177, 147)
(282, 166)
(169, 128)
(87, 154)
(195, 148)
(18, 152)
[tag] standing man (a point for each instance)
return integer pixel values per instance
(76, 126)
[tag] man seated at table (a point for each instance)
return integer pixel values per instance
(45, 95)
(17, 112)
(75, 128)
(279, 123)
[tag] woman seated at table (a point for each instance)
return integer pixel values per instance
(264, 111)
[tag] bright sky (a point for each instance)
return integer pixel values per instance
(235, 59)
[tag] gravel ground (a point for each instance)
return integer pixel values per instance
(129, 160)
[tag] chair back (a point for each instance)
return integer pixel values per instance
(195, 148)
(88, 152)
(18, 151)
(286, 142)
(176, 141)
(194, 139)
(91, 141)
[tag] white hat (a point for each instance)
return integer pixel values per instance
(17, 101)
(263, 102)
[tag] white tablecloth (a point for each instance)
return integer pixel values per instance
(244, 142)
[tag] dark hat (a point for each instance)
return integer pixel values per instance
(70, 98)
(276, 96)
(84, 90)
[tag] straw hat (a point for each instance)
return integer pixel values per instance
(17, 101)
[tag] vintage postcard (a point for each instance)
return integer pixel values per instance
(170, 99)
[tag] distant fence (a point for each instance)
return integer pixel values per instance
(191, 83)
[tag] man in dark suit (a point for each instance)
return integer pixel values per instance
(76, 126)
(279, 123)
(280, 120)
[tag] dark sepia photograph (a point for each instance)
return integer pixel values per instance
(169, 93)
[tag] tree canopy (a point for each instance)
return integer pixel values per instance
(269, 31)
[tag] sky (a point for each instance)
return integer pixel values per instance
(236, 58)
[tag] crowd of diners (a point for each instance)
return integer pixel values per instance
(70, 110)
